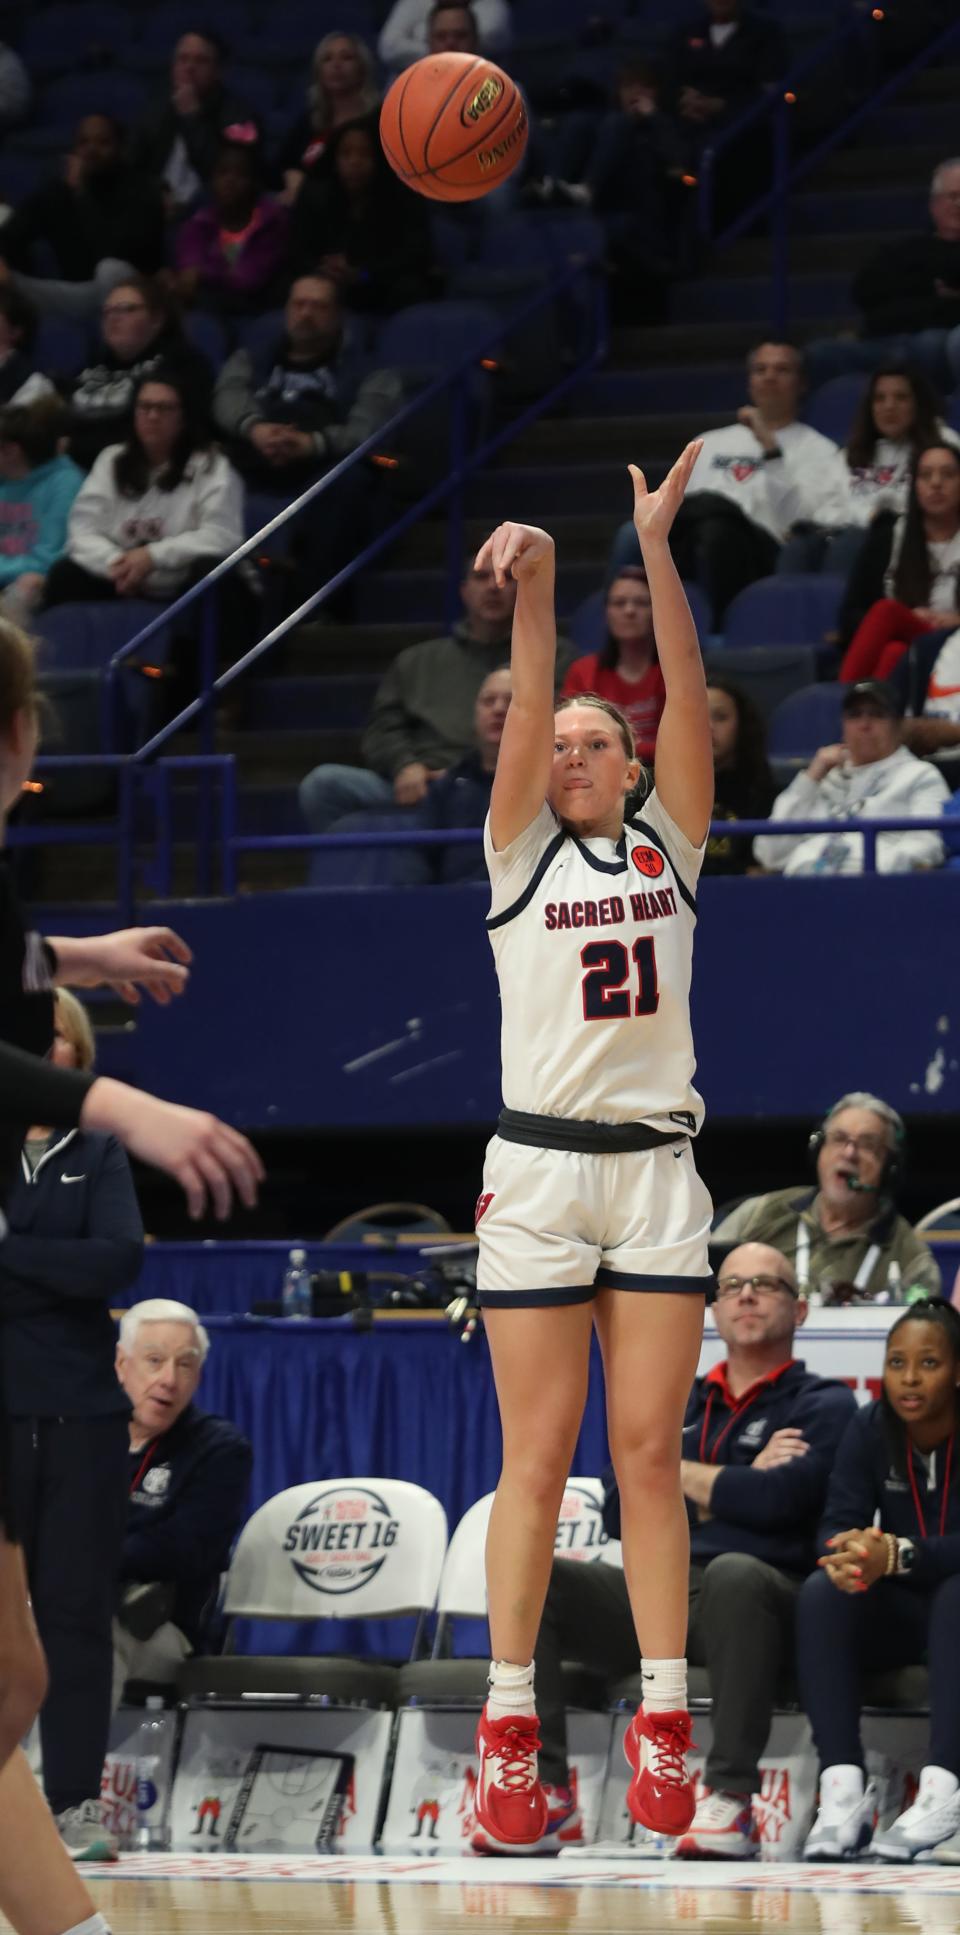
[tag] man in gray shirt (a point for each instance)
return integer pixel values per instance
(423, 714)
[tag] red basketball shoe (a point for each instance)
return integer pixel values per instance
(661, 1794)
(510, 1803)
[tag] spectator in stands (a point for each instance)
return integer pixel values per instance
(906, 579)
(138, 334)
(938, 728)
(354, 222)
(897, 418)
(908, 294)
(68, 1254)
(99, 221)
(301, 404)
(626, 167)
(752, 482)
(760, 1436)
(405, 36)
(452, 28)
(155, 511)
(189, 1474)
(15, 90)
(869, 775)
(231, 254)
(343, 87)
(844, 1238)
(423, 714)
(744, 784)
(716, 66)
(37, 489)
(626, 669)
(178, 140)
(887, 1592)
(20, 380)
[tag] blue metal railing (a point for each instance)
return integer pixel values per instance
(463, 463)
(778, 108)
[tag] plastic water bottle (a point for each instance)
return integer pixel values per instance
(150, 1835)
(296, 1297)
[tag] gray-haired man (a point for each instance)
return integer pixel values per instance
(844, 1238)
(189, 1475)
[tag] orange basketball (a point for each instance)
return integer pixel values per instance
(453, 126)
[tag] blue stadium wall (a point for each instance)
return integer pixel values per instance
(367, 1009)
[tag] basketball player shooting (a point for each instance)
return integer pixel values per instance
(592, 1212)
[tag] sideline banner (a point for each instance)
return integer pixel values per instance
(264, 1779)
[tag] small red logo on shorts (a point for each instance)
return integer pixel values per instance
(483, 1204)
(648, 860)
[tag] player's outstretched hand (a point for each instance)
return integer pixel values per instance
(654, 511)
(207, 1158)
(515, 551)
(152, 958)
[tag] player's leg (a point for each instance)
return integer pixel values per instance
(541, 1359)
(650, 1344)
(23, 1673)
(41, 1892)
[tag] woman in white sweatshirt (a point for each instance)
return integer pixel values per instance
(897, 418)
(156, 512)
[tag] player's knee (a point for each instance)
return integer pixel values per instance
(540, 1470)
(647, 1457)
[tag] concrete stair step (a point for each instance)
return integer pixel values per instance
(619, 440)
(583, 535)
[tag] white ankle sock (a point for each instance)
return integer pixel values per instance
(511, 1690)
(94, 1925)
(664, 1685)
(939, 1783)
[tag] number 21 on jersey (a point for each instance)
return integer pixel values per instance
(608, 984)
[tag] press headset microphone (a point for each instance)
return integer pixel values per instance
(861, 1188)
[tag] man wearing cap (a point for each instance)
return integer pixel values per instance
(870, 775)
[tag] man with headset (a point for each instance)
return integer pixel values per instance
(845, 1239)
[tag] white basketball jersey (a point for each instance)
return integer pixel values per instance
(593, 943)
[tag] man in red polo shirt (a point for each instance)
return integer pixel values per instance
(759, 1439)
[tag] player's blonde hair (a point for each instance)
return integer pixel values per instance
(75, 1022)
(613, 712)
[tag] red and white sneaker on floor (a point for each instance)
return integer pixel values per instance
(564, 1826)
(723, 1829)
(661, 1794)
(510, 1804)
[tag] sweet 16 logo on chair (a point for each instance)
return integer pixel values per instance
(341, 1539)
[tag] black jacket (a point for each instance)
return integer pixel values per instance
(870, 1476)
(201, 133)
(866, 582)
(75, 1242)
(896, 288)
(120, 215)
(460, 799)
(749, 59)
(736, 798)
(188, 1496)
(772, 1515)
(388, 241)
(100, 396)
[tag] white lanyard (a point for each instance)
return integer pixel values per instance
(802, 1260)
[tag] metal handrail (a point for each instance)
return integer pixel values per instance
(778, 106)
(460, 470)
(472, 836)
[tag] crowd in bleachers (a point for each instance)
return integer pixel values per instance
(212, 290)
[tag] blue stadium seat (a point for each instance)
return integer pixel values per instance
(61, 346)
(951, 832)
(20, 175)
(257, 85)
(206, 333)
(767, 674)
(65, 101)
(60, 39)
(258, 333)
(805, 721)
(435, 335)
(367, 866)
(796, 610)
(83, 638)
(832, 408)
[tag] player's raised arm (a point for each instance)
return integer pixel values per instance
(520, 785)
(684, 756)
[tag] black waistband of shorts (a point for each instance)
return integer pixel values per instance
(582, 1138)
